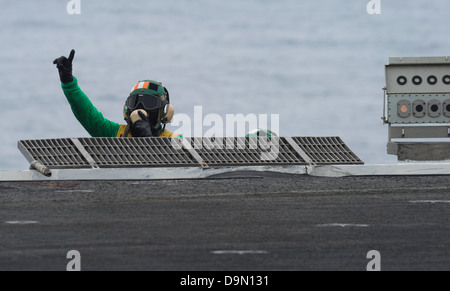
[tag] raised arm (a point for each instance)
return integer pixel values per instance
(83, 109)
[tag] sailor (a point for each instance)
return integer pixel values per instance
(147, 109)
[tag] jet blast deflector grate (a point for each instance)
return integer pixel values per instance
(186, 152)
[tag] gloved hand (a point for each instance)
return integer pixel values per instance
(141, 127)
(64, 66)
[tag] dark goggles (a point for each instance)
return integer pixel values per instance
(144, 101)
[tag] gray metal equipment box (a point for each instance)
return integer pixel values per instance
(418, 106)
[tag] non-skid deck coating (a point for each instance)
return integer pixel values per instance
(240, 221)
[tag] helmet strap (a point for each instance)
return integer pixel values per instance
(127, 128)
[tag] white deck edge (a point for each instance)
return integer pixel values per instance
(401, 169)
(140, 173)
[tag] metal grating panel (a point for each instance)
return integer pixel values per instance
(136, 152)
(54, 153)
(194, 152)
(246, 151)
(327, 150)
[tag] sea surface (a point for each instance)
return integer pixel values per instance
(318, 65)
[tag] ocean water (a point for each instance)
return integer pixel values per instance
(318, 64)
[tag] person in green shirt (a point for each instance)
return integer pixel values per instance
(147, 109)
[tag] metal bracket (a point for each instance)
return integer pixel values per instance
(384, 107)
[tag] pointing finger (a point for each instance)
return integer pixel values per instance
(72, 54)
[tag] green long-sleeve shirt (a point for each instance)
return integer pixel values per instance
(92, 119)
(86, 113)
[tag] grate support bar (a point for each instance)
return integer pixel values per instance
(299, 151)
(187, 146)
(84, 153)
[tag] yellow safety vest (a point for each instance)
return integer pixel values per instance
(164, 133)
